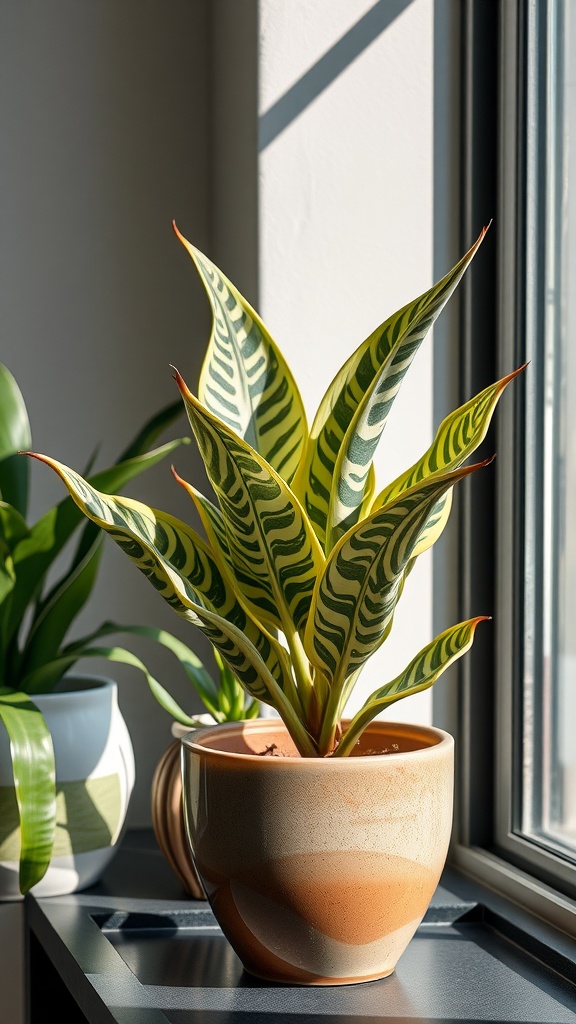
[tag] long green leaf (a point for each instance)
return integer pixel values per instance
(34, 780)
(43, 678)
(333, 475)
(14, 435)
(52, 622)
(182, 568)
(357, 593)
(273, 548)
(13, 529)
(420, 674)
(245, 380)
(189, 661)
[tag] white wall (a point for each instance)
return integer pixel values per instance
(116, 118)
(104, 139)
(104, 128)
(306, 146)
(346, 224)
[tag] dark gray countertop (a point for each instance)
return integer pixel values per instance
(135, 950)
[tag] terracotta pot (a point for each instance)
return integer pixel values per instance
(318, 870)
(167, 814)
(94, 781)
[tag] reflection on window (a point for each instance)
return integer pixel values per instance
(549, 763)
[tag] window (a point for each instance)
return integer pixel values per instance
(516, 783)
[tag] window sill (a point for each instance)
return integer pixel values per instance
(521, 888)
(136, 944)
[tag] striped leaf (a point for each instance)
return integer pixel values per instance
(421, 673)
(332, 478)
(273, 548)
(180, 565)
(245, 380)
(458, 436)
(215, 528)
(37, 553)
(355, 597)
(213, 522)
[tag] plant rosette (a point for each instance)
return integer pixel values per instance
(296, 582)
(318, 870)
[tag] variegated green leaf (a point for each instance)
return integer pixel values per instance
(245, 380)
(357, 593)
(181, 567)
(458, 436)
(421, 673)
(37, 553)
(213, 522)
(273, 548)
(332, 477)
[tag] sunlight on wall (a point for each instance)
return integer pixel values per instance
(345, 206)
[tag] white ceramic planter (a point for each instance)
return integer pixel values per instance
(95, 776)
(318, 870)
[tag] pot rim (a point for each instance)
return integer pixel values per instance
(443, 741)
(87, 683)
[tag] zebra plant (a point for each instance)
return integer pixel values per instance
(303, 559)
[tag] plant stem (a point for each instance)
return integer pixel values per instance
(353, 732)
(301, 667)
(330, 723)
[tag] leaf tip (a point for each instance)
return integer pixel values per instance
(515, 373)
(183, 387)
(177, 376)
(177, 477)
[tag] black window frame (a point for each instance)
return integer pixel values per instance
(504, 126)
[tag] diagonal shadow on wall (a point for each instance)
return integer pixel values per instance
(330, 65)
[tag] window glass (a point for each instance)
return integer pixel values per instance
(548, 805)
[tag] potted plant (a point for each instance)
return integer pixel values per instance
(61, 816)
(319, 838)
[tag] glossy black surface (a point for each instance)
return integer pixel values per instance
(136, 950)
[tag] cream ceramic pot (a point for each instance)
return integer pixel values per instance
(318, 870)
(94, 781)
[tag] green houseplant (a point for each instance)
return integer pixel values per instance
(38, 606)
(304, 558)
